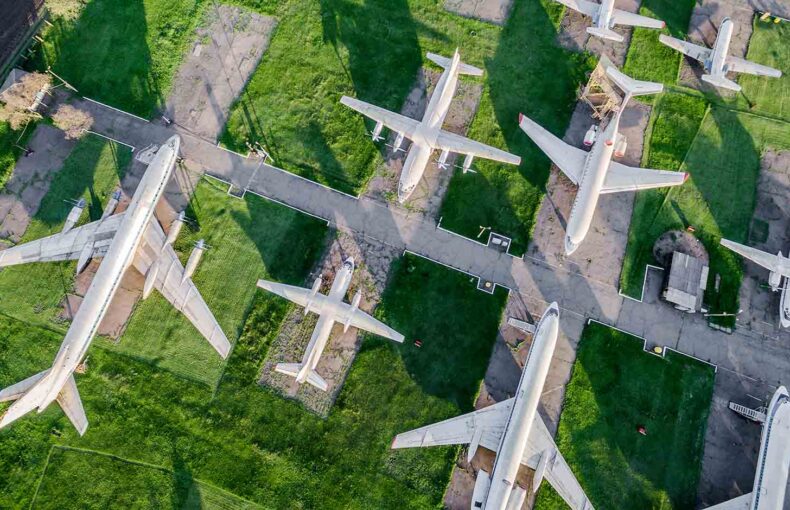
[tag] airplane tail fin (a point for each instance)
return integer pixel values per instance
(721, 81)
(631, 86)
(302, 374)
(30, 394)
(447, 62)
(605, 33)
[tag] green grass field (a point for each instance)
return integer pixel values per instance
(249, 239)
(614, 388)
(647, 58)
(92, 171)
(124, 53)
(769, 46)
(247, 440)
(10, 141)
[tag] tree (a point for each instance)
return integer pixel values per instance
(19, 97)
(73, 121)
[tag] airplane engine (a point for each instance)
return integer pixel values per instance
(468, 162)
(376, 135)
(354, 308)
(74, 215)
(620, 146)
(480, 492)
(111, 204)
(775, 279)
(443, 159)
(313, 292)
(194, 259)
(175, 228)
(590, 136)
(398, 143)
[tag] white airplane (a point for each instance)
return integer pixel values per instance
(594, 172)
(330, 309)
(515, 431)
(779, 267)
(773, 462)
(717, 61)
(427, 134)
(132, 238)
(605, 17)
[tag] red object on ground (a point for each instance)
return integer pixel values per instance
(418, 343)
(641, 429)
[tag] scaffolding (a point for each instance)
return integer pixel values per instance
(598, 93)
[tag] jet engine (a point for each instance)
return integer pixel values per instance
(620, 146)
(590, 136)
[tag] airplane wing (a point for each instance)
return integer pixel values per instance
(483, 427)
(457, 143)
(740, 503)
(621, 17)
(692, 50)
(181, 293)
(89, 240)
(69, 400)
(394, 121)
(740, 65)
(543, 456)
(569, 159)
(298, 295)
(582, 6)
(362, 320)
(760, 257)
(627, 178)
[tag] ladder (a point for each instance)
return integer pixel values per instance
(757, 415)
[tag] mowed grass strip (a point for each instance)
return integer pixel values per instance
(647, 58)
(529, 73)
(251, 442)
(117, 483)
(249, 239)
(120, 52)
(616, 387)
(33, 292)
(717, 201)
(10, 142)
(769, 45)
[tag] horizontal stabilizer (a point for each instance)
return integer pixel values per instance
(620, 17)
(605, 33)
(69, 400)
(15, 391)
(447, 62)
(721, 81)
(740, 503)
(291, 369)
(317, 381)
(631, 86)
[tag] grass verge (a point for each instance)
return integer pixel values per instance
(614, 388)
(769, 45)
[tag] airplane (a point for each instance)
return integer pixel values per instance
(779, 267)
(515, 431)
(330, 309)
(594, 172)
(427, 135)
(132, 238)
(773, 461)
(605, 17)
(717, 61)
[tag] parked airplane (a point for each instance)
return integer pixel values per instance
(773, 462)
(515, 431)
(331, 309)
(594, 172)
(605, 17)
(717, 61)
(427, 135)
(779, 267)
(132, 238)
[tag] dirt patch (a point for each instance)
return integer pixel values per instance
(427, 197)
(227, 48)
(573, 34)
(770, 231)
(678, 240)
(30, 180)
(494, 11)
(373, 261)
(600, 255)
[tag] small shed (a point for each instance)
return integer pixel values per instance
(688, 278)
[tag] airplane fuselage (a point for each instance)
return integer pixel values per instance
(721, 48)
(593, 177)
(424, 138)
(604, 18)
(773, 462)
(329, 312)
(108, 277)
(514, 439)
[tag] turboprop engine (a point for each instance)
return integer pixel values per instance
(74, 215)
(194, 259)
(354, 308)
(112, 204)
(313, 292)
